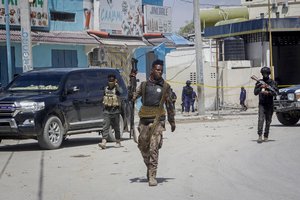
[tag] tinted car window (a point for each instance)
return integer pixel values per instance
(96, 80)
(36, 82)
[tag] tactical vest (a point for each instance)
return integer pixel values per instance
(110, 98)
(152, 94)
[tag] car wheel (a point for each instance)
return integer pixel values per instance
(111, 133)
(52, 135)
(287, 119)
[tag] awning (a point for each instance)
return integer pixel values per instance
(121, 42)
(170, 40)
(56, 37)
(116, 40)
(252, 26)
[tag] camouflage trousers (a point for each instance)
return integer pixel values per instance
(149, 145)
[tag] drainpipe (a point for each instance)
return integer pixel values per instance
(8, 47)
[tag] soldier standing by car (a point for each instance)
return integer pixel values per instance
(155, 93)
(266, 89)
(112, 110)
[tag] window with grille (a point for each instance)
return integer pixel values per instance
(193, 77)
(62, 16)
(213, 75)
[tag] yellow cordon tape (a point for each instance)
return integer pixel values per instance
(209, 86)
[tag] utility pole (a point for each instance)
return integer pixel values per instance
(270, 41)
(8, 47)
(199, 59)
(217, 78)
(26, 35)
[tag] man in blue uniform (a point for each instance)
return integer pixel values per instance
(187, 96)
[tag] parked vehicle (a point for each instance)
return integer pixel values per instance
(50, 104)
(287, 105)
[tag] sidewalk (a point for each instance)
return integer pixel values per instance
(214, 115)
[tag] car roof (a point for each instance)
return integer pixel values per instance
(67, 70)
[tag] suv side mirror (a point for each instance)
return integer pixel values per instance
(72, 90)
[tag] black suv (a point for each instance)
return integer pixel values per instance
(287, 105)
(50, 104)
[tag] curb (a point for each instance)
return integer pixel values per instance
(211, 116)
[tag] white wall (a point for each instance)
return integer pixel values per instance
(261, 6)
(180, 63)
(234, 79)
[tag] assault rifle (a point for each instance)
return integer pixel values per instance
(131, 91)
(261, 82)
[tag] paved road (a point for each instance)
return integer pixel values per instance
(210, 160)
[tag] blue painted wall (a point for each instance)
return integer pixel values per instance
(140, 55)
(72, 6)
(41, 55)
(153, 2)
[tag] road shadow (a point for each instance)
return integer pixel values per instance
(263, 141)
(67, 143)
(75, 142)
(283, 126)
(144, 180)
(32, 146)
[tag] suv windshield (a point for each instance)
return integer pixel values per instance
(36, 82)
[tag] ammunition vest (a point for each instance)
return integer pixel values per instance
(110, 98)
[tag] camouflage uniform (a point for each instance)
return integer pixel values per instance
(149, 142)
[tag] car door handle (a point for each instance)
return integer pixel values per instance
(76, 102)
(88, 101)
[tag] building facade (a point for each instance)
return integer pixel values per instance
(60, 36)
(278, 8)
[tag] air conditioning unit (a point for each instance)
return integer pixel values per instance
(285, 7)
(274, 6)
(99, 56)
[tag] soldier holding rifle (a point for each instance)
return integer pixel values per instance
(155, 93)
(266, 89)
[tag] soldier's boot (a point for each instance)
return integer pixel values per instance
(152, 178)
(259, 140)
(118, 144)
(102, 145)
(266, 139)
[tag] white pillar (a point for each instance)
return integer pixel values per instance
(26, 36)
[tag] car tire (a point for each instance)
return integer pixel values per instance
(111, 133)
(52, 135)
(287, 119)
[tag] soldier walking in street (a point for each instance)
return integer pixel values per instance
(112, 110)
(266, 89)
(155, 93)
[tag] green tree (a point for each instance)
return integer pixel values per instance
(187, 29)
